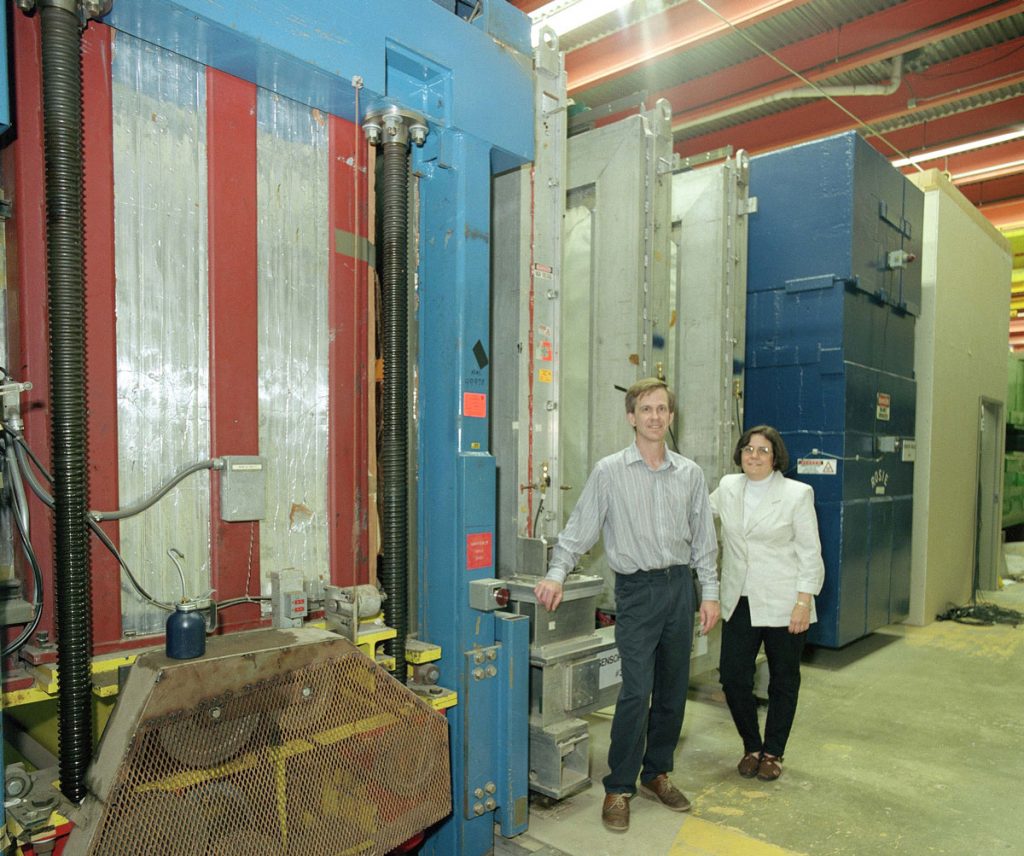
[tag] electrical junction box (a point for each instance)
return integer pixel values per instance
(288, 598)
(242, 493)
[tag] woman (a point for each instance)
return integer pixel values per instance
(771, 570)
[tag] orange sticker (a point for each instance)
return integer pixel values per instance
(478, 551)
(474, 404)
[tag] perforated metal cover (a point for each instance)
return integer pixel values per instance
(289, 742)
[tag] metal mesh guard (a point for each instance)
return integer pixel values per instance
(335, 758)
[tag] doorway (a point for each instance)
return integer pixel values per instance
(988, 522)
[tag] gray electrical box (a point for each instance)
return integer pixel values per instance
(242, 493)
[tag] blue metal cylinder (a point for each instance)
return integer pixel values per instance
(186, 632)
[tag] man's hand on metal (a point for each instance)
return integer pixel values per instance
(710, 610)
(549, 594)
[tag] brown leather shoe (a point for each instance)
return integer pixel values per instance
(661, 789)
(749, 764)
(615, 812)
(770, 768)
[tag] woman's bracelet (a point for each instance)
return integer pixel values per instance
(801, 603)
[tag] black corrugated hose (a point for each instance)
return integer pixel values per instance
(62, 117)
(394, 451)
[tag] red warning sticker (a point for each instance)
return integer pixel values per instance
(478, 550)
(474, 404)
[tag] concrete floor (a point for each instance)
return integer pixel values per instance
(905, 742)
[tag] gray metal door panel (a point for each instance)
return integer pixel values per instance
(709, 294)
(615, 306)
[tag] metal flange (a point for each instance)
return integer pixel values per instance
(394, 124)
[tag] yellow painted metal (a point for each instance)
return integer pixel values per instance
(421, 652)
(369, 639)
(104, 677)
(40, 841)
(437, 697)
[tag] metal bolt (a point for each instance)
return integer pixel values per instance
(307, 692)
(552, 294)
(478, 657)
(479, 793)
(492, 654)
(26, 5)
(490, 787)
(551, 405)
(478, 674)
(491, 671)
(215, 712)
(478, 809)
(490, 804)
(96, 8)
(418, 133)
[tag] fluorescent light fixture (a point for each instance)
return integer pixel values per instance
(562, 16)
(960, 148)
(994, 171)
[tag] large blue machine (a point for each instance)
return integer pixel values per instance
(833, 291)
(421, 57)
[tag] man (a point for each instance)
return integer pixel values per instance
(651, 505)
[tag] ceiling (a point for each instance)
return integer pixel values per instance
(911, 75)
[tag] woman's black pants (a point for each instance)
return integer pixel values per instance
(740, 644)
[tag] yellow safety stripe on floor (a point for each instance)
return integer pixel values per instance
(703, 838)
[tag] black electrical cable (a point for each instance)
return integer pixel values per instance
(139, 590)
(536, 517)
(37, 595)
(982, 615)
(32, 457)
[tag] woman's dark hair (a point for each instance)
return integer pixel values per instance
(780, 457)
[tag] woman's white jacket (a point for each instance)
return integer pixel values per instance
(772, 556)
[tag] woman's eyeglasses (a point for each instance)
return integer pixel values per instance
(756, 450)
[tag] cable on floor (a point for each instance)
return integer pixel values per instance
(982, 615)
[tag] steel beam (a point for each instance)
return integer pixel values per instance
(312, 52)
(975, 74)
(676, 29)
(957, 128)
(859, 43)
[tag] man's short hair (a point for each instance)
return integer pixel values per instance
(646, 386)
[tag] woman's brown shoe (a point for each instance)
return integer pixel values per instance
(770, 768)
(748, 765)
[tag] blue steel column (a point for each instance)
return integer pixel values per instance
(457, 484)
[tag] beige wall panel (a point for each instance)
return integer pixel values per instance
(960, 356)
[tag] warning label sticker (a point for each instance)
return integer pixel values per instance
(816, 467)
(883, 407)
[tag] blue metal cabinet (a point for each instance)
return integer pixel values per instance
(833, 291)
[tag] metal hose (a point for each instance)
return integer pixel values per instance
(62, 117)
(394, 451)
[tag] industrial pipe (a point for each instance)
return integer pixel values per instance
(62, 118)
(392, 129)
(837, 91)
